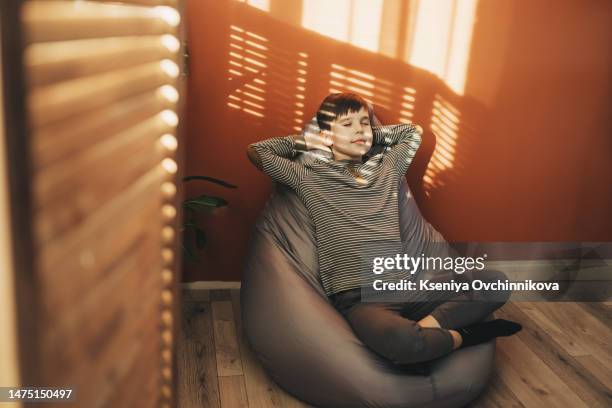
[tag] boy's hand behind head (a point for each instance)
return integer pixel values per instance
(315, 141)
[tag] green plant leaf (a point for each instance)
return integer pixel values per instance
(200, 238)
(195, 208)
(189, 255)
(206, 201)
(192, 209)
(210, 179)
(198, 204)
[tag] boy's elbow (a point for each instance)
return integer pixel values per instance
(254, 157)
(417, 135)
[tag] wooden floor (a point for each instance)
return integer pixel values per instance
(561, 358)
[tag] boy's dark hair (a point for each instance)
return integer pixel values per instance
(339, 104)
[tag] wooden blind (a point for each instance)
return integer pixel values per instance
(102, 101)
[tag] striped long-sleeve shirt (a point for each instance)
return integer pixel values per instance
(355, 220)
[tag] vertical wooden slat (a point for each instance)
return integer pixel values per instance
(226, 342)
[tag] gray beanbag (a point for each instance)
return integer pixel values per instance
(308, 348)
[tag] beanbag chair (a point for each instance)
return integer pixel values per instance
(305, 344)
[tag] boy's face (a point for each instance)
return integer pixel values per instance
(350, 136)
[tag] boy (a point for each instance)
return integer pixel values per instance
(352, 199)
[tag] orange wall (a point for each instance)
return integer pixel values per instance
(532, 160)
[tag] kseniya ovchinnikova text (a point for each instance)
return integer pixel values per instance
(476, 284)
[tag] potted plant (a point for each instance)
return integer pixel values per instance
(193, 206)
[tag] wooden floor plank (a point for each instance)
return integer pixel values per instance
(603, 374)
(226, 342)
(233, 392)
(584, 329)
(197, 367)
(598, 310)
(533, 382)
(595, 329)
(566, 340)
(570, 369)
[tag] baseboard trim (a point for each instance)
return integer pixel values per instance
(210, 285)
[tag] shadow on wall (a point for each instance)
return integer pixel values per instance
(514, 152)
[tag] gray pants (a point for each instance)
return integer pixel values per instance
(391, 329)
